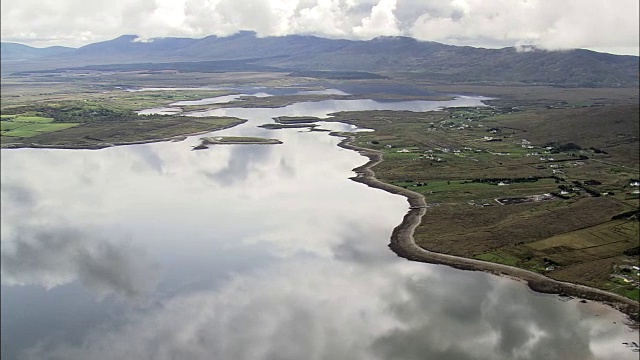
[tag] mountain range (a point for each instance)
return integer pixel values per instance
(382, 55)
(13, 51)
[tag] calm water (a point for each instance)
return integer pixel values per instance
(177, 107)
(250, 252)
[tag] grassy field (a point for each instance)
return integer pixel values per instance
(18, 126)
(32, 119)
(599, 238)
(592, 253)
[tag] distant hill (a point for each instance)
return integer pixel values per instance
(383, 55)
(129, 48)
(13, 51)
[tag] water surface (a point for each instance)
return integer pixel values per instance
(156, 251)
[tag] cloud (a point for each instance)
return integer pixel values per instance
(547, 24)
(594, 24)
(381, 21)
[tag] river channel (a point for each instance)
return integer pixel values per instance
(156, 251)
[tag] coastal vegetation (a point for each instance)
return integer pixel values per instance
(99, 120)
(544, 197)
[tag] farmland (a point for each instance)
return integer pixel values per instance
(28, 126)
(519, 186)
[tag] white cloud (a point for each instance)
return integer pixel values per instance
(381, 21)
(322, 17)
(551, 25)
(595, 24)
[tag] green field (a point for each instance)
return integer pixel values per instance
(499, 257)
(9, 125)
(594, 237)
(32, 119)
(21, 126)
(632, 294)
(30, 130)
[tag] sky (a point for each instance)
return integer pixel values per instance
(600, 25)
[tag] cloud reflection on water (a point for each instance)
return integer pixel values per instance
(52, 256)
(242, 162)
(493, 320)
(315, 309)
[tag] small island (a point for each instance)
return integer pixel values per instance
(287, 126)
(218, 140)
(296, 119)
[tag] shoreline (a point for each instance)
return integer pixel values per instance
(402, 244)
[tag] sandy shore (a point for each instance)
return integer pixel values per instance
(403, 244)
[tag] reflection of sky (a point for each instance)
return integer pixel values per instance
(322, 92)
(323, 108)
(224, 99)
(216, 100)
(248, 252)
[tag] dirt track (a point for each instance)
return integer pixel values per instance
(403, 244)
